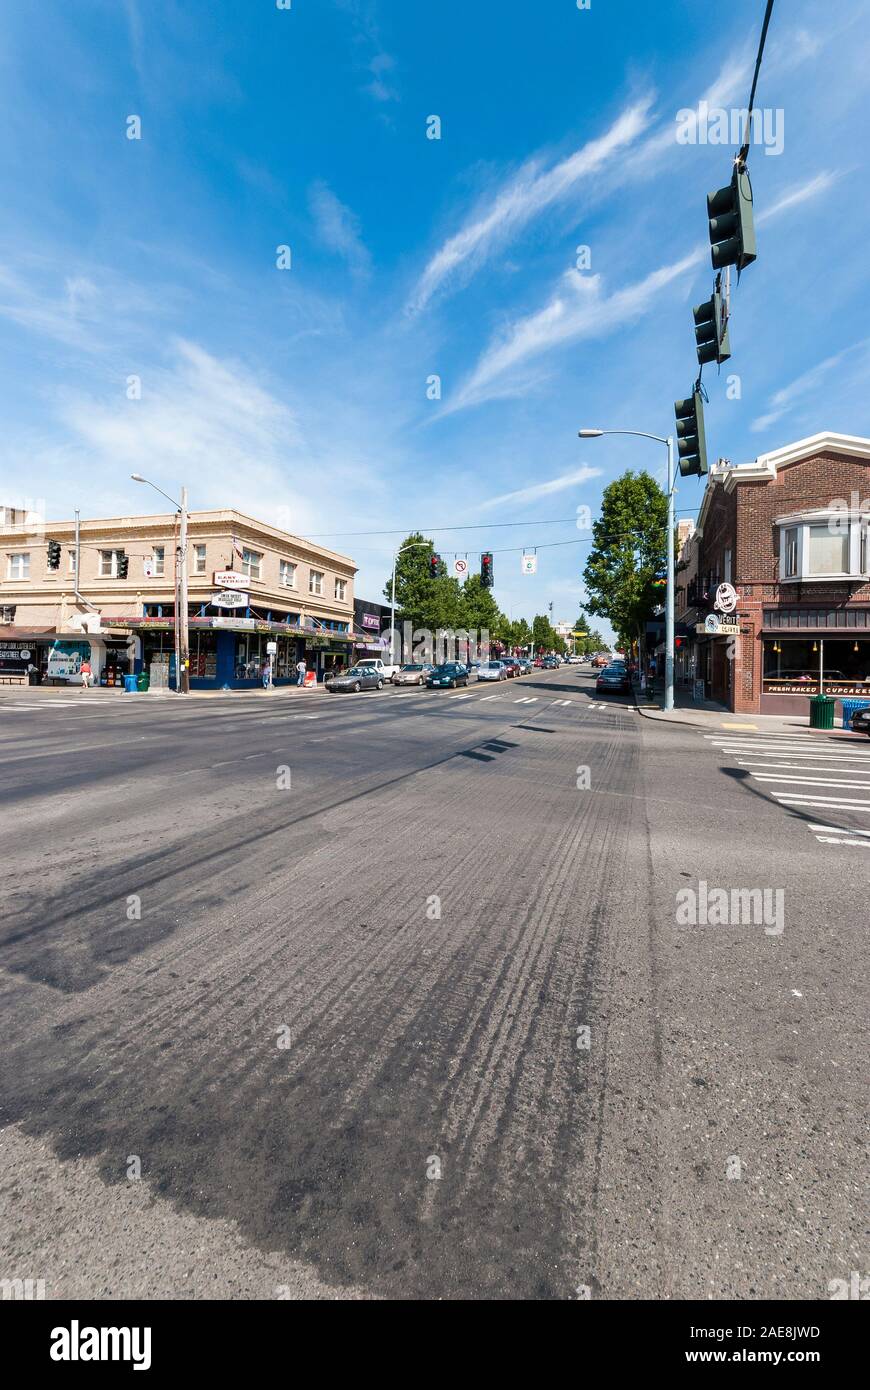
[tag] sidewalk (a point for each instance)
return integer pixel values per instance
(105, 692)
(709, 714)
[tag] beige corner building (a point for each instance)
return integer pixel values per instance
(249, 585)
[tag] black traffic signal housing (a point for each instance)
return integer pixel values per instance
(732, 226)
(53, 555)
(711, 330)
(123, 564)
(486, 570)
(434, 565)
(691, 439)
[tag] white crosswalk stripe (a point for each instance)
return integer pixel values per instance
(804, 769)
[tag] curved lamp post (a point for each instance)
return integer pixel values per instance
(669, 600)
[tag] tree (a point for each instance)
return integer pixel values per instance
(543, 633)
(479, 609)
(593, 640)
(422, 600)
(629, 549)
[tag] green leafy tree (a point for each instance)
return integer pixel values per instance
(422, 600)
(543, 633)
(629, 548)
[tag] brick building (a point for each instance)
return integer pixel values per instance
(790, 532)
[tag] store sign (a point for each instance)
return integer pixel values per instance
(230, 598)
(15, 657)
(810, 686)
(726, 598)
(714, 626)
(230, 579)
(371, 620)
(242, 624)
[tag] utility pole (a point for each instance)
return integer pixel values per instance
(182, 625)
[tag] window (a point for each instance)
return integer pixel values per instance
(315, 582)
(828, 550)
(251, 563)
(341, 589)
(791, 553)
(72, 562)
(158, 558)
(726, 567)
(18, 566)
(287, 574)
(108, 564)
(199, 559)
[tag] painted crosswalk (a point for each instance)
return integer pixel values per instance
(807, 771)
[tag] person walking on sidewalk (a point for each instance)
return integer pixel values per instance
(86, 674)
(301, 670)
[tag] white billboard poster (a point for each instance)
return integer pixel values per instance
(530, 564)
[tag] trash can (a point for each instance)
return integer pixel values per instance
(851, 707)
(143, 681)
(822, 712)
(129, 685)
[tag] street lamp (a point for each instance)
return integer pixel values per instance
(669, 600)
(182, 639)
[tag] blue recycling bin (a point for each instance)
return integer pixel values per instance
(851, 707)
(129, 685)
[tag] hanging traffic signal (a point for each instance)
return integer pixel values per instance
(711, 330)
(123, 564)
(732, 227)
(486, 570)
(434, 565)
(691, 440)
(53, 555)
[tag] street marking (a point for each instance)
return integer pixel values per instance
(823, 803)
(813, 781)
(838, 830)
(745, 727)
(806, 767)
(835, 840)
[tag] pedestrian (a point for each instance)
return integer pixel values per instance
(267, 674)
(86, 674)
(301, 670)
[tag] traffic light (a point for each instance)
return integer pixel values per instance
(123, 564)
(434, 565)
(732, 228)
(53, 555)
(711, 330)
(691, 441)
(486, 570)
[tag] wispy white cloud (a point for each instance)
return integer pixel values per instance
(782, 402)
(820, 183)
(578, 309)
(338, 228)
(529, 494)
(524, 197)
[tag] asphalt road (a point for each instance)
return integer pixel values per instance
(424, 1022)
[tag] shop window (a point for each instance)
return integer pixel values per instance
(341, 589)
(287, 574)
(315, 582)
(18, 565)
(251, 560)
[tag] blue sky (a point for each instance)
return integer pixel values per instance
(300, 395)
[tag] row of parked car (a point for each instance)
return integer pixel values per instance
(374, 674)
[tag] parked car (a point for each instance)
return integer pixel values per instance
(385, 669)
(364, 676)
(447, 676)
(525, 665)
(413, 673)
(613, 680)
(511, 666)
(861, 721)
(551, 663)
(491, 671)
(538, 662)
